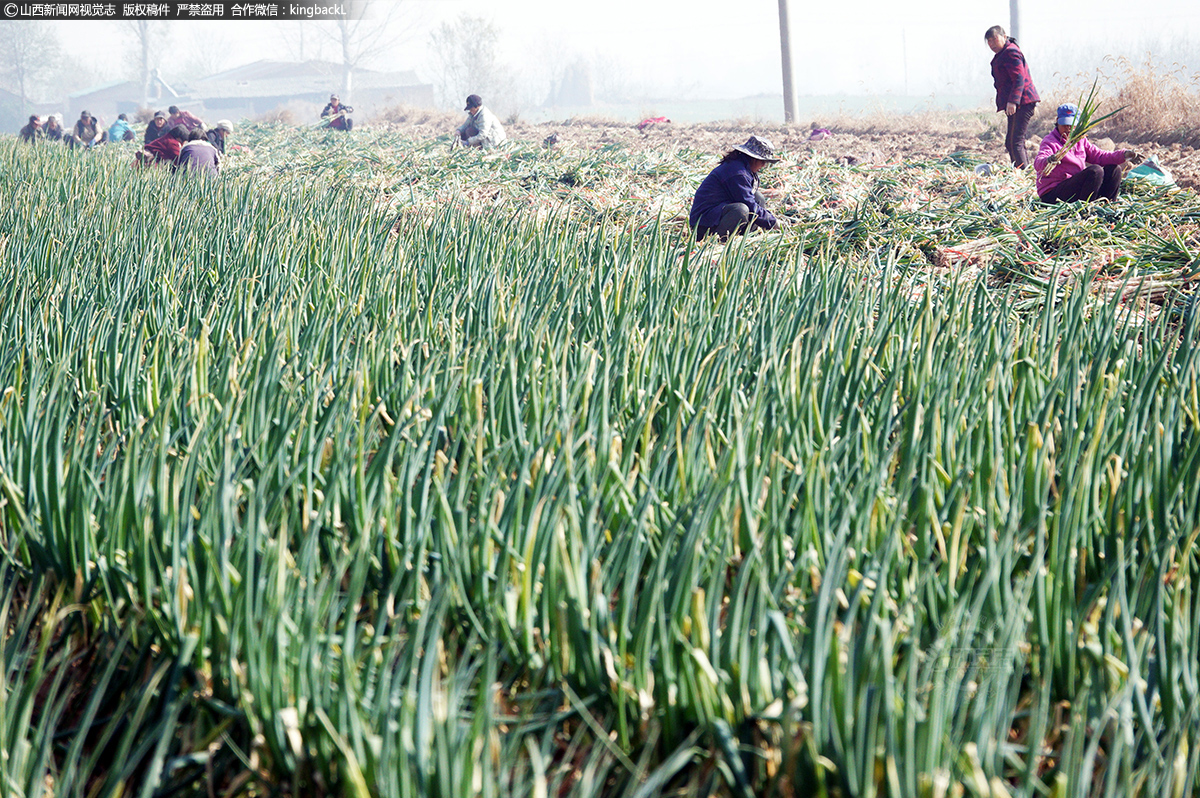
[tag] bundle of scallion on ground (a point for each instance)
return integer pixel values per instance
(321, 479)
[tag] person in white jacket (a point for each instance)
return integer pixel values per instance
(482, 128)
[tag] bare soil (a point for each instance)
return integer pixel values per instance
(863, 142)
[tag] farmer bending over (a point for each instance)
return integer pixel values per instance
(164, 149)
(728, 200)
(178, 116)
(53, 128)
(198, 156)
(482, 128)
(1084, 172)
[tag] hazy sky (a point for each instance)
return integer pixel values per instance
(718, 48)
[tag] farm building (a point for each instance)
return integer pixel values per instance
(256, 89)
(13, 116)
(121, 97)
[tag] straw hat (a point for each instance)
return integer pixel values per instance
(758, 148)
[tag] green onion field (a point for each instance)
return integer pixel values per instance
(376, 468)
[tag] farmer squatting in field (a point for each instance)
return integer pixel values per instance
(482, 128)
(728, 200)
(198, 155)
(120, 130)
(157, 128)
(1084, 171)
(33, 131)
(218, 134)
(164, 149)
(178, 116)
(88, 132)
(337, 115)
(53, 128)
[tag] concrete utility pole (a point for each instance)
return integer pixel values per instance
(785, 50)
(1014, 19)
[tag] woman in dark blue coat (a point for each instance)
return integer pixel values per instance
(728, 201)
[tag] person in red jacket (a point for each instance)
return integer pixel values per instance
(178, 116)
(1015, 93)
(164, 149)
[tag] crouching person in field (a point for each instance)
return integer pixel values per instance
(120, 130)
(164, 149)
(728, 201)
(1081, 172)
(199, 156)
(33, 131)
(337, 116)
(53, 128)
(218, 134)
(88, 132)
(482, 128)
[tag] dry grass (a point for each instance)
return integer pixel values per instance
(923, 122)
(407, 115)
(1161, 104)
(280, 115)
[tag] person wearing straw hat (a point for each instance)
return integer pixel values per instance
(1084, 172)
(728, 201)
(1015, 93)
(482, 128)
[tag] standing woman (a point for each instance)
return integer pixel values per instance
(1015, 94)
(728, 200)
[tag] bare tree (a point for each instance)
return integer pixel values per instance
(301, 40)
(150, 40)
(368, 36)
(613, 82)
(28, 53)
(209, 52)
(466, 61)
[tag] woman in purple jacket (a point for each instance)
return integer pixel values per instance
(728, 200)
(1084, 172)
(1015, 94)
